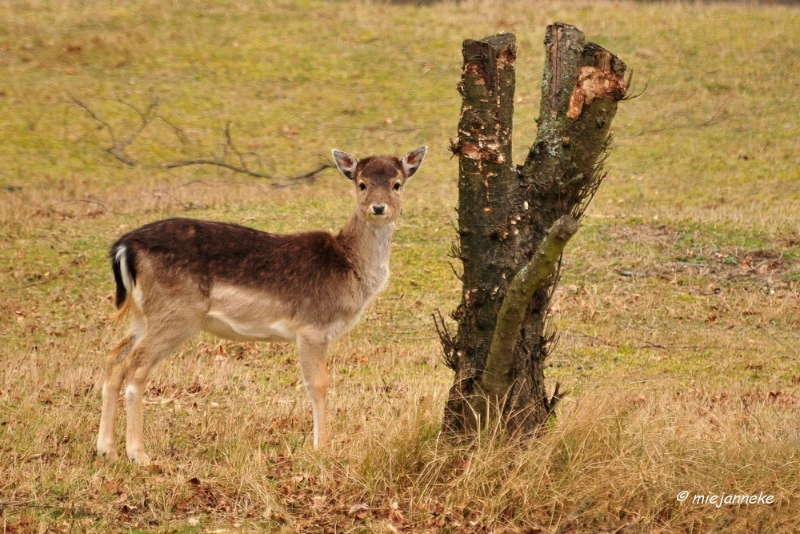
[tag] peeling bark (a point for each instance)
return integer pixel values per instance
(505, 212)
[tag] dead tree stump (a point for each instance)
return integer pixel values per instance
(514, 221)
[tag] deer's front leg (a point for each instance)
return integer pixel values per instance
(315, 379)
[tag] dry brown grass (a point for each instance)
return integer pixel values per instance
(678, 310)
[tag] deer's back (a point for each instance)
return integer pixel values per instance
(212, 253)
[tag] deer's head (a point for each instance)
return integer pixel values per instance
(379, 182)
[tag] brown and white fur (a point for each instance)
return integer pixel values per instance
(178, 276)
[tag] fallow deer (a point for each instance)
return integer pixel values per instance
(176, 277)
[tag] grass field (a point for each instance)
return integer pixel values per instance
(678, 309)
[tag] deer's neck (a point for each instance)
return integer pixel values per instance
(368, 248)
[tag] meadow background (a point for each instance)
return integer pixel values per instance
(678, 308)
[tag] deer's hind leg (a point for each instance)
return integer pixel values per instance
(157, 343)
(111, 386)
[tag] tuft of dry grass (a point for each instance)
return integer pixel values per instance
(677, 313)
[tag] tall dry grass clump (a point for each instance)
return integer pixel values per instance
(614, 461)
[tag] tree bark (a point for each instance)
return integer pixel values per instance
(505, 213)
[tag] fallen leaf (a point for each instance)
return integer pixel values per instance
(357, 508)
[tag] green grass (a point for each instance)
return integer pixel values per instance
(678, 307)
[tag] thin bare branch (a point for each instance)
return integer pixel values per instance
(115, 149)
(150, 114)
(243, 170)
(720, 115)
(146, 117)
(449, 356)
(628, 84)
(556, 398)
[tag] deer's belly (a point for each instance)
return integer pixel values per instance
(248, 330)
(246, 315)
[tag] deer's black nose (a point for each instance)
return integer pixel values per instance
(378, 210)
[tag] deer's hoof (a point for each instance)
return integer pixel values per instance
(139, 458)
(109, 456)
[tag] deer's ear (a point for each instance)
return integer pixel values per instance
(413, 160)
(345, 163)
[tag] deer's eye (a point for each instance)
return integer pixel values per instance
(362, 186)
(397, 186)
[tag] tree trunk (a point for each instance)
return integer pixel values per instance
(514, 221)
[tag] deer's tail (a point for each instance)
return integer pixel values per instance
(123, 264)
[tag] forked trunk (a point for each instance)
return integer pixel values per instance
(505, 212)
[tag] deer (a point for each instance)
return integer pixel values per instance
(177, 277)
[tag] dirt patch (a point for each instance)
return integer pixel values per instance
(715, 262)
(760, 262)
(759, 265)
(645, 234)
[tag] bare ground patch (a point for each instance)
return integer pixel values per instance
(677, 256)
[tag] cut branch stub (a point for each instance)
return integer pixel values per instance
(594, 83)
(581, 86)
(488, 200)
(486, 174)
(563, 44)
(487, 77)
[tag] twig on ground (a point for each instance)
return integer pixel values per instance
(310, 176)
(80, 201)
(146, 117)
(218, 163)
(40, 282)
(115, 149)
(648, 344)
(150, 114)
(720, 115)
(556, 398)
